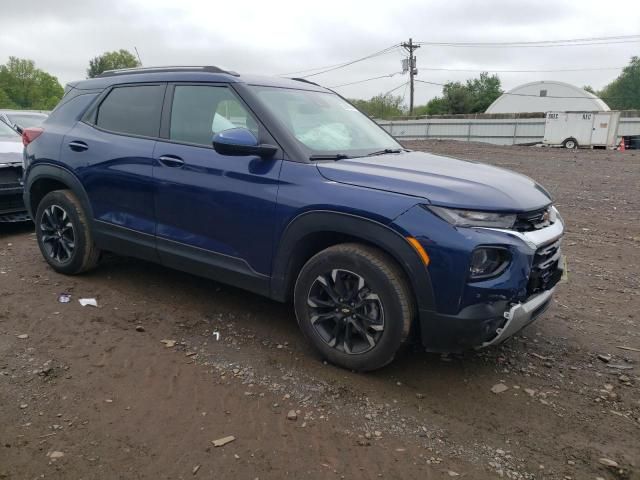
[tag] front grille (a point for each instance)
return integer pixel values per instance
(546, 270)
(534, 220)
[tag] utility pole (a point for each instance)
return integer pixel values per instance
(411, 66)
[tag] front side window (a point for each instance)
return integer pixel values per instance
(325, 123)
(200, 111)
(133, 110)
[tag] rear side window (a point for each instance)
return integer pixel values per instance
(132, 110)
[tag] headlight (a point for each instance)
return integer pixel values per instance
(474, 218)
(488, 262)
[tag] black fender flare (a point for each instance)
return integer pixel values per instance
(47, 171)
(370, 231)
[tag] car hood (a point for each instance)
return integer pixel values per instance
(441, 180)
(10, 151)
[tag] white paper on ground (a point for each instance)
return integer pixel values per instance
(88, 301)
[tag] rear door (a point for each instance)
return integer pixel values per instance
(112, 153)
(601, 126)
(215, 213)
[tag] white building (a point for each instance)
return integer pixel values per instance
(545, 96)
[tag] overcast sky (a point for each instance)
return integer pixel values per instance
(275, 37)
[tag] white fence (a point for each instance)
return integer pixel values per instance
(500, 131)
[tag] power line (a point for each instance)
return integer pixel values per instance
(404, 93)
(432, 44)
(395, 88)
(336, 66)
(365, 80)
(381, 52)
(432, 83)
(541, 43)
(491, 70)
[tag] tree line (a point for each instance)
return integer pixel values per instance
(24, 86)
(475, 96)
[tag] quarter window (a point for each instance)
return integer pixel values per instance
(200, 111)
(133, 110)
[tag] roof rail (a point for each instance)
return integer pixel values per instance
(178, 68)
(297, 79)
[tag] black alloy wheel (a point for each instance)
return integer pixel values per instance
(58, 236)
(64, 233)
(345, 312)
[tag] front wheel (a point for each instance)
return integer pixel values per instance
(353, 303)
(570, 143)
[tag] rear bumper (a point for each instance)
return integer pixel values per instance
(12, 207)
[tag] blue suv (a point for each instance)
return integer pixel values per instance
(283, 188)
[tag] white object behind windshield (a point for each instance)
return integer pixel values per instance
(324, 121)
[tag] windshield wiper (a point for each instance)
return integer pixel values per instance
(333, 156)
(385, 151)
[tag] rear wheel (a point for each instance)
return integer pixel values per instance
(570, 143)
(63, 233)
(354, 305)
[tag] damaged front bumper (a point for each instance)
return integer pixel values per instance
(491, 312)
(521, 315)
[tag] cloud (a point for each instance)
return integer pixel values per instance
(282, 36)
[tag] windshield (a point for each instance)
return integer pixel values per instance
(7, 131)
(26, 121)
(324, 123)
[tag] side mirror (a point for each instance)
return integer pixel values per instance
(240, 142)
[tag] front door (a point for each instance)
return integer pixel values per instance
(215, 213)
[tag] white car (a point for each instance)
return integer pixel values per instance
(12, 207)
(19, 119)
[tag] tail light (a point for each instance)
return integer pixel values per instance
(30, 134)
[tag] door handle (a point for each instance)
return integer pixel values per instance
(171, 161)
(78, 146)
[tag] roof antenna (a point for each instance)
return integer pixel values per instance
(139, 60)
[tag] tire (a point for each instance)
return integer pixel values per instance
(63, 233)
(570, 143)
(360, 293)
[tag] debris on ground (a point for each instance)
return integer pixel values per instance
(23, 336)
(292, 415)
(64, 298)
(92, 302)
(221, 442)
(632, 349)
(499, 388)
(169, 343)
(607, 462)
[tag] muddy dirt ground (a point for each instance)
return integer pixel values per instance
(94, 393)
